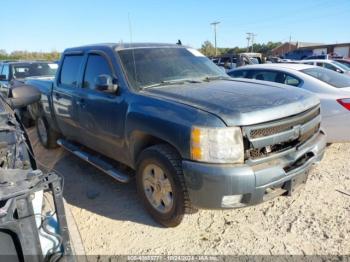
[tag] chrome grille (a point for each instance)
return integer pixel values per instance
(259, 136)
(268, 131)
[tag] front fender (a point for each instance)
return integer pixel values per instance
(164, 121)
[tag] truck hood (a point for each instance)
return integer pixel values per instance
(240, 102)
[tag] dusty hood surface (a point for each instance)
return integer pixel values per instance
(240, 102)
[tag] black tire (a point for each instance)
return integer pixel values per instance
(26, 119)
(42, 126)
(165, 157)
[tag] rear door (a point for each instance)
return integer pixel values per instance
(102, 114)
(65, 95)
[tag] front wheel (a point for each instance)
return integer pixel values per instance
(161, 185)
(47, 136)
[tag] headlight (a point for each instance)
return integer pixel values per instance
(217, 145)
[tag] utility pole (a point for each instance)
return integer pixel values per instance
(248, 41)
(290, 41)
(251, 37)
(214, 24)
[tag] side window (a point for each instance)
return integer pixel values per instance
(6, 71)
(265, 75)
(70, 70)
(96, 65)
(238, 73)
(319, 64)
(292, 81)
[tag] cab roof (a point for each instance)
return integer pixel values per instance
(122, 46)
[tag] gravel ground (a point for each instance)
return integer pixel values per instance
(113, 222)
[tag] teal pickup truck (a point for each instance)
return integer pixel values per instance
(190, 135)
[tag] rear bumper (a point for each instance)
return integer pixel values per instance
(217, 186)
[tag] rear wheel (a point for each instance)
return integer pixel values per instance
(161, 185)
(46, 134)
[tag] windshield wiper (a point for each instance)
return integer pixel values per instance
(172, 82)
(211, 78)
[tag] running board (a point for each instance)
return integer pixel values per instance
(95, 161)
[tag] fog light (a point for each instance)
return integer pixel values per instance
(232, 201)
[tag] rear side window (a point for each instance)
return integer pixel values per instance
(70, 70)
(238, 73)
(96, 65)
(276, 76)
(265, 75)
(292, 81)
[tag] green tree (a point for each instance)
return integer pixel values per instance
(25, 55)
(264, 48)
(208, 49)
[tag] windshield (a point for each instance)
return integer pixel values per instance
(328, 76)
(24, 70)
(148, 67)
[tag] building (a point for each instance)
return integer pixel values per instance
(341, 49)
(290, 46)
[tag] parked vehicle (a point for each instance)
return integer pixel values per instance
(33, 226)
(230, 61)
(13, 74)
(274, 59)
(255, 56)
(324, 56)
(332, 88)
(329, 64)
(298, 54)
(345, 62)
(196, 137)
(312, 57)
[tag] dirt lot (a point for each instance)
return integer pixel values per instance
(112, 221)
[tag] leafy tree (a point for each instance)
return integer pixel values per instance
(25, 55)
(264, 48)
(208, 49)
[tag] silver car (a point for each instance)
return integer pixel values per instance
(332, 88)
(329, 64)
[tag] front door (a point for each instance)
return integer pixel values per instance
(102, 114)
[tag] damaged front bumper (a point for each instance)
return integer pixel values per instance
(218, 186)
(21, 237)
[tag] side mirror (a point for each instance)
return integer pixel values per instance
(3, 78)
(338, 70)
(23, 96)
(105, 83)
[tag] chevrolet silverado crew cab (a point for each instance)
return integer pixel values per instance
(195, 137)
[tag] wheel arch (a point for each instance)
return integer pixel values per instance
(139, 141)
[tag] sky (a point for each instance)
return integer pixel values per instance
(42, 25)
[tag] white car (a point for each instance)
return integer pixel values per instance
(329, 64)
(332, 88)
